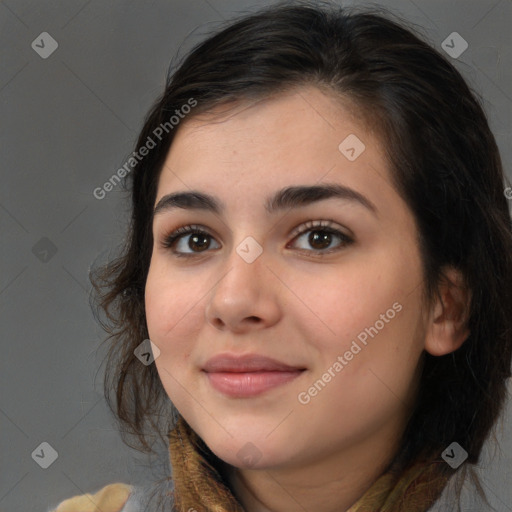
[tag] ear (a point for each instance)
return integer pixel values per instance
(447, 324)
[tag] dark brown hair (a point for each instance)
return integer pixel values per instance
(445, 164)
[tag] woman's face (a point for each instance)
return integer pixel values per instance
(339, 303)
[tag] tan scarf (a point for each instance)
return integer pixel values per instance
(199, 487)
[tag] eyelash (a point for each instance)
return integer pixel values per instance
(323, 226)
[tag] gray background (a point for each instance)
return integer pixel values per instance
(68, 123)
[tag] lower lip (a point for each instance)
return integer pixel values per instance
(243, 385)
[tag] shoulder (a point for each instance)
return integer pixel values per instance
(110, 498)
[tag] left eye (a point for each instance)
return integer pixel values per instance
(321, 239)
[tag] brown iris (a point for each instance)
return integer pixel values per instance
(320, 239)
(200, 241)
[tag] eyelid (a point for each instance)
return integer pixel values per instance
(173, 236)
(318, 224)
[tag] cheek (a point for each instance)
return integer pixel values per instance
(173, 307)
(174, 316)
(338, 305)
(366, 351)
(369, 315)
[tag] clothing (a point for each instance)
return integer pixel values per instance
(110, 498)
(198, 486)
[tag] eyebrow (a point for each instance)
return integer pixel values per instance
(289, 197)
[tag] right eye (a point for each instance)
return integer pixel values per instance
(188, 237)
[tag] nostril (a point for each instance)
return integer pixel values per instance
(218, 322)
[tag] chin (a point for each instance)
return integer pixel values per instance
(248, 452)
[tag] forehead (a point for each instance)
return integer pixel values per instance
(298, 115)
(301, 136)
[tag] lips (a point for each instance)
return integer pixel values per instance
(228, 363)
(248, 375)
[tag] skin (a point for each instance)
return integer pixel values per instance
(291, 305)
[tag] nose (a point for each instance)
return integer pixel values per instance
(245, 298)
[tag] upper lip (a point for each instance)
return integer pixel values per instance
(246, 363)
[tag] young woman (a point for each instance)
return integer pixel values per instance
(320, 252)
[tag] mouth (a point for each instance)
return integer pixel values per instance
(248, 384)
(243, 376)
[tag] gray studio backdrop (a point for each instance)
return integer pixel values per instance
(77, 78)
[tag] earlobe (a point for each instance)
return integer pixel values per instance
(447, 326)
